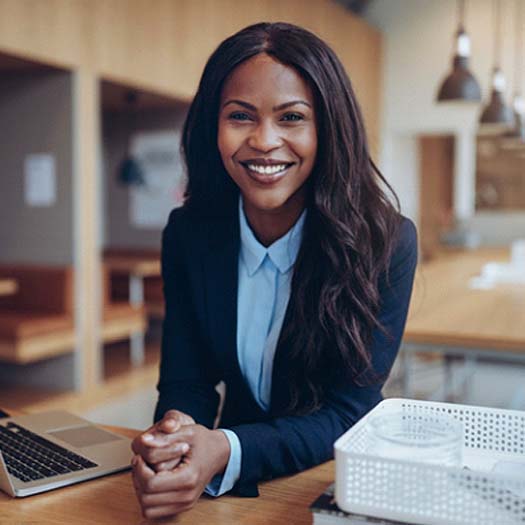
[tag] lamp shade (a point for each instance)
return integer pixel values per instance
(496, 111)
(131, 173)
(518, 130)
(460, 84)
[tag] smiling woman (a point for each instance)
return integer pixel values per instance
(287, 275)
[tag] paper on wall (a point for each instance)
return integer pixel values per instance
(40, 180)
(159, 158)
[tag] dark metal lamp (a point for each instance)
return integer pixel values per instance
(130, 172)
(460, 84)
(496, 112)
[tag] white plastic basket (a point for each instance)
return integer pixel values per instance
(430, 494)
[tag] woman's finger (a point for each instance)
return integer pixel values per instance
(161, 434)
(167, 498)
(184, 477)
(165, 511)
(166, 465)
(177, 416)
(156, 437)
(152, 456)
(142, 474)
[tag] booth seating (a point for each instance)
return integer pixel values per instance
(135, 276)
(36, 322)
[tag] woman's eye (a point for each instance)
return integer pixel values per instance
(239, 115)
(292, 117)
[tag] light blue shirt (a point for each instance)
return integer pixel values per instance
(265, 276)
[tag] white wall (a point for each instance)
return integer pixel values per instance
(418, 45)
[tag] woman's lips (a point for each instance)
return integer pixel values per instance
(267, 173)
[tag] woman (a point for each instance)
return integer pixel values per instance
(287, 275)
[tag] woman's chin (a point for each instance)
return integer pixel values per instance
(267, 203)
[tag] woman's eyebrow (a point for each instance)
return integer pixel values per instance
(240, 103)
(291, 103)
(275, 108)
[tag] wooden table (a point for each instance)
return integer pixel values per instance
(111, 500)
(8, 286)
(138, 268)
(448, 316)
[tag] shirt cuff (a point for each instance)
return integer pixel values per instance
(222, 483)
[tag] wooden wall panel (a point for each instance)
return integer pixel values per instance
(53, 31)
(163, 45)
(359, 47)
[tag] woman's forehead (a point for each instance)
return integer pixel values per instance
(262, 77)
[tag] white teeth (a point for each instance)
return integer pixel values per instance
(267, 170)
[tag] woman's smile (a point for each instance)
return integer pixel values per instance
(266, 171)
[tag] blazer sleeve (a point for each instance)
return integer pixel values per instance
(186, 383)
(290, 444)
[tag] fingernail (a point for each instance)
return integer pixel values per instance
(185, 447)
(147, 437)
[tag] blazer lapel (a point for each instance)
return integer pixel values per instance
(221, 279)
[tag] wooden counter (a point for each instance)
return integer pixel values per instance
(445, 310)
(448, 317)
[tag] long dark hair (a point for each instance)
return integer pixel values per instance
(351, 224)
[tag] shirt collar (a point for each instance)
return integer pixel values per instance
(282, 252)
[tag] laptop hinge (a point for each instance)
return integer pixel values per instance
(5, 481)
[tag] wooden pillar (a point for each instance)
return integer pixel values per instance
(86, 242)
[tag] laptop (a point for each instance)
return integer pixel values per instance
(45, 451)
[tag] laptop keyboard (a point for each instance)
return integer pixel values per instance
(30, 457)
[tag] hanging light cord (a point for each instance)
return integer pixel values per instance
(519, 47)
(497, 31)
(461, 16)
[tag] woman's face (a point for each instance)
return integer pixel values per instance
(267, 134)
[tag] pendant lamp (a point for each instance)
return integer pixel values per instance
(496, 111)
(460, 84)
(130, 171)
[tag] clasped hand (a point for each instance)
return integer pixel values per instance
(174, 461)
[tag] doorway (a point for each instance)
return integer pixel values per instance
(436, 190)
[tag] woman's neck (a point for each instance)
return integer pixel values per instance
(268, 226)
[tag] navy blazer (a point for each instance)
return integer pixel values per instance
(199, 349)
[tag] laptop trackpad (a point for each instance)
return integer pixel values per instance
(81, 437)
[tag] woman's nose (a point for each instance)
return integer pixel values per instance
(265, 137)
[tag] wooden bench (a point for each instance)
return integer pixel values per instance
(36, 322)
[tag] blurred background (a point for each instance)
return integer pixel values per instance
(93, 95)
